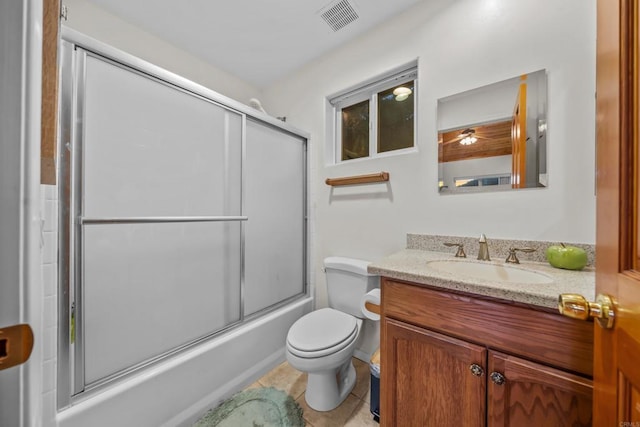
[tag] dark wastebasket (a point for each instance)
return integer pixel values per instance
(374, 367)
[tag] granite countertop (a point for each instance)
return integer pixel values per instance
(412, 265)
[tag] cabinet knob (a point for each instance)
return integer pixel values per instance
(476, 369)
(497, 378)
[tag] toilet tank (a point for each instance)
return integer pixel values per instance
(347, 282)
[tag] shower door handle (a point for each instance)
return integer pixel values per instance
(160, 219)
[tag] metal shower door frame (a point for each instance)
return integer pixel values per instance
(74, 50)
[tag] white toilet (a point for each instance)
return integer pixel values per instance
(322, 342)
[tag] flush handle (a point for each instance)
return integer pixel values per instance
(16, 343)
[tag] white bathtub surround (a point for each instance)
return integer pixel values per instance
(181, 389)
(49, 271)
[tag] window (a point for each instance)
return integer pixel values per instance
(478, 183)
(483, 181)
(376, 117)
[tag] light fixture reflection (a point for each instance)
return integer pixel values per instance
(401, 93)
(469, 137)
(468, 140)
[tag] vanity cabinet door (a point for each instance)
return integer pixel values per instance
(431, 379)
(524, 393)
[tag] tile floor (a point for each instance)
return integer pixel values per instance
(353, 412)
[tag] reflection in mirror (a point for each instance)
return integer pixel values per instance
(494, 137)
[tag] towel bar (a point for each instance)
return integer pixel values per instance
(359, 179)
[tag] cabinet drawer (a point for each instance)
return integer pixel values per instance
(537, 335)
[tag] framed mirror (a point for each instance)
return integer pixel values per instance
(494, 138)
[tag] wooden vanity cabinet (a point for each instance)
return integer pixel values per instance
(457, 359)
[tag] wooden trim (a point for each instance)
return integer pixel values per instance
(519, 138)
(631, 87)
(359, 179)
(628, 126)
(612, 208)
(373, 308)
(494, 139)
(16, 343)
(49, 108)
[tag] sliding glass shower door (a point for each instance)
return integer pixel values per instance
(181, 217)
(276, 203)
(157, 207)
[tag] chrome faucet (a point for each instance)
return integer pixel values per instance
(483, 251)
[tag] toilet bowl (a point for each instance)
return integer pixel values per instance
(322, 342)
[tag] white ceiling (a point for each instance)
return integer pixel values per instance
(260, 41)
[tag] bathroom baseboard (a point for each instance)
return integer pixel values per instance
(361, 355)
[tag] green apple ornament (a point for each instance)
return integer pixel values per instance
(567, 257)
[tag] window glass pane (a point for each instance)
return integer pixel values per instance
(395, 117)
(355, 131)
(466, 182)
(490, 181)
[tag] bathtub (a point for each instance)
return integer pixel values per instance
(178, 391)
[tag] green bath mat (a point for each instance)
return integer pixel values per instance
(256, 407)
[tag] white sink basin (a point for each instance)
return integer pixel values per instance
(488, 271)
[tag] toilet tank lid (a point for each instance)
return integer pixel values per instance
(352, 265)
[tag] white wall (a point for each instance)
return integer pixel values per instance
(98, 23)
(460, 45)
(49, 273)
(21, 289)
(486, 104)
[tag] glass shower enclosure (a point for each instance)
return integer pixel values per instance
(182, 215)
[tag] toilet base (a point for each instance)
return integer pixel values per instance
(326, 390)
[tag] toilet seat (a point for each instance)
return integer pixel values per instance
(321, 332)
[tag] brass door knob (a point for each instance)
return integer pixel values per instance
(577, 307)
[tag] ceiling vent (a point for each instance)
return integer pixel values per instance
(339, 14)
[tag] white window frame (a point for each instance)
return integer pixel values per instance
(368, 90)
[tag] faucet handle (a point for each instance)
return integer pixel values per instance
(513, 258)
(460, 253)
